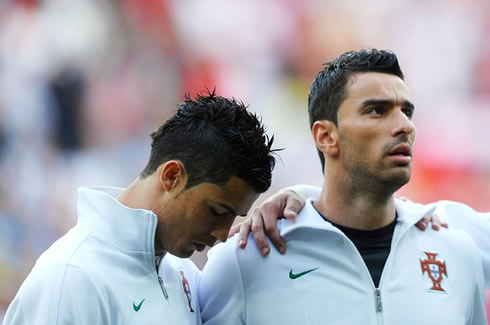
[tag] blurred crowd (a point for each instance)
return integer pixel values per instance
(84, 83)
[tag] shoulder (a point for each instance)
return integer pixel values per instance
(58, 261)
(227, 258)
(451, 210)
(454, 244)
(50, 287)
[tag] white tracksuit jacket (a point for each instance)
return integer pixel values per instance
(429, 277)
(103, 271)
(457, 215)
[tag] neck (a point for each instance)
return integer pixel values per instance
(138, 195)
(355, 205)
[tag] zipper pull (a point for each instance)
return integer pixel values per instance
(162, 286)
(379, 305)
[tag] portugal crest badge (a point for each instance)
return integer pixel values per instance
(435, 269)
(187, 291)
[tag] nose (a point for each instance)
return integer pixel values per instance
(403, 125)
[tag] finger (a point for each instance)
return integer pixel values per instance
(243, 233)
(293, 206)
(276, 240)
(270, 225)
(259, 234)
(234, 229)
(436, 222)
(422, 223)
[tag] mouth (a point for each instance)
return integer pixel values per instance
(199, 247)
(404, 150)
(401, 154)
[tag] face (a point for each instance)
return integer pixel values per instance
(199, 216)
(375, 130)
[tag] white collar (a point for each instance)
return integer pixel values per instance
(408, 214)
(126, 228)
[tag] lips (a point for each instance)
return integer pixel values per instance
(199, 247)
(401, 150)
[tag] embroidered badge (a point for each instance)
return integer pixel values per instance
(435, 270)
(187, 290)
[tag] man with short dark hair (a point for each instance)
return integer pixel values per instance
(354, 254)
(123, 263)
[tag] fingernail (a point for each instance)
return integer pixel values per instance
(240, 243)
(265, 251)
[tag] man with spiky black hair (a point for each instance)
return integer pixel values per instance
(124, 262)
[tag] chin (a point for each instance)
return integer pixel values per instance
(395, 181)
(400, 180)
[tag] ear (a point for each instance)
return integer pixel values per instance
(173, 175)
(325, 136)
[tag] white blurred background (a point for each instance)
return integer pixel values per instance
(84, 83)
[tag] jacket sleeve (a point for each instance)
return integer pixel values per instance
(46, 299)
(476, 224)
(221, 292)
(305, 191)
(477, 312)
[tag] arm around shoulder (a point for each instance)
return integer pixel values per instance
(305, 191)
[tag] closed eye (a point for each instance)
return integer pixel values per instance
(219, 213)
(222, 212)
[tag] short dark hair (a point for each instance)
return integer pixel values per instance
(215, 138)
(329, 87)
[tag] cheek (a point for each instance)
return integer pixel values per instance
(201, 223)
(413, 135)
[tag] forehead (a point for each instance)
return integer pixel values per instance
(374, 85)
(236, 194)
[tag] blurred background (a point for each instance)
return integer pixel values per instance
(84, 83)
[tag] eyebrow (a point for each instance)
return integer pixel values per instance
(386, 102)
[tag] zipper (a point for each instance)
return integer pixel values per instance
(162, 286)
(377, 292)
(379, 305)
(160, 280)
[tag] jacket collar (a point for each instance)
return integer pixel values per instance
(124, 227)
(408, 214)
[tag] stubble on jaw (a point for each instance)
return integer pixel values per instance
(360, 179)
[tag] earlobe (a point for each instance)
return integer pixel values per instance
(172, 175)
(326, 137)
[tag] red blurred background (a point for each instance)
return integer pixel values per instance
(83, 84)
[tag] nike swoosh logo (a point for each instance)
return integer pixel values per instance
(297, 275)
(138, 306)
